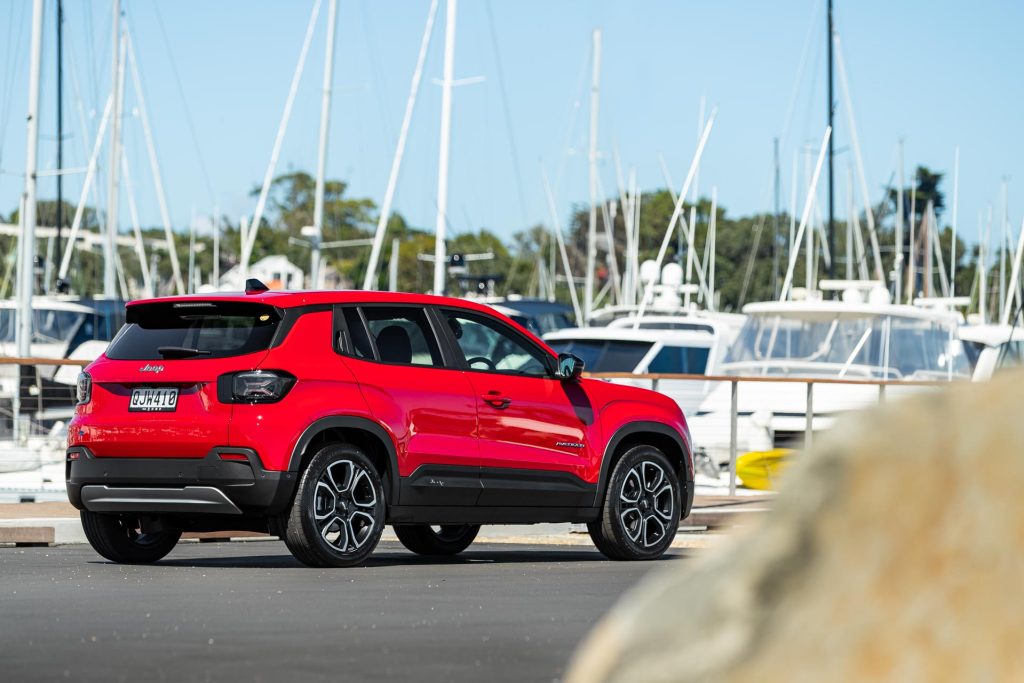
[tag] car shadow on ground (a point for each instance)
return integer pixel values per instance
(388, 557)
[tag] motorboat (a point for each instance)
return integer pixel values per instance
(860, 336)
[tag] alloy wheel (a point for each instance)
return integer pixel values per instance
(646, 504)
(344, 506)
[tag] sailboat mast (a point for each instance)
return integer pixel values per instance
(898, 261)
(110, 238)
(775, 226)
(440, 249)
(595, 96)
(60, 123)
(831, 179)
(26, 243)
(321, 166)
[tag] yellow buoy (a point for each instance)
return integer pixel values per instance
(761, 469)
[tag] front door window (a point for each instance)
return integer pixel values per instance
(487, 346)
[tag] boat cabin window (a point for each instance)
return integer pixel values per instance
(871, 346)
(49, 326)
(686, 360)
(604, 355)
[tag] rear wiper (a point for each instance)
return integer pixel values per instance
(180, 352)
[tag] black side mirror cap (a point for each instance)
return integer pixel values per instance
(570, 367)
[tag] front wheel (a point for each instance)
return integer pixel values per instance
(447, 539)
(642, 504)
(338, 514)
(120, 538)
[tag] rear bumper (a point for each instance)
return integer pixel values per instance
(186, 486)
(188, 499)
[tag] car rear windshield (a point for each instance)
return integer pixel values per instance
(194, 330)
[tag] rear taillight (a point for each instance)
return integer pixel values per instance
(257, 386)
(83, 390)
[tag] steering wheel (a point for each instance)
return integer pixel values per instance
(480, 359)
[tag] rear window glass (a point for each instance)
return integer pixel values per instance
(194, 330)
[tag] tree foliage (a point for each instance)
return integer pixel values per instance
(744, 246)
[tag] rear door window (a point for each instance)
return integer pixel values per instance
(392, 334)
(194, 330)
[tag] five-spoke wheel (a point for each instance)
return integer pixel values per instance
(640, 514)
(338, 514)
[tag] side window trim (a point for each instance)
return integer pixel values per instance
(369, 334)
(346, 346)
(450, 353)
(341, 340)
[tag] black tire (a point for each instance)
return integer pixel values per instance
(447, 539)
(338, 513)
(640, 512)
(119, 539)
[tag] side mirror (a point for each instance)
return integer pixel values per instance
(570, 367)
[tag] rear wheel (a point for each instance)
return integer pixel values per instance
(338, 514)
(447, 539)
(642, 504)
(120, 539)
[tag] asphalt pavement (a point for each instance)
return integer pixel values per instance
(248, 611)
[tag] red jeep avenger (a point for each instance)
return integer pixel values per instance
(322, 416)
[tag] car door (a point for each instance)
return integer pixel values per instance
(423, 398)
(536, 439)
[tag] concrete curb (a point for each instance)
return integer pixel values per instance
(68, 531)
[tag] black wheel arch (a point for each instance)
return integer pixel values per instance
(358, 431)
(662, 436)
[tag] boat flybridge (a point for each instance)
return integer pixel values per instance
(665, 337)
(861, 336)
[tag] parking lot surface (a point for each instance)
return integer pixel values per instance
(249, 611)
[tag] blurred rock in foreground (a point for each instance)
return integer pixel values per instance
(895, 551)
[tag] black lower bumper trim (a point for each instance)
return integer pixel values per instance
(244, 483)
(460, 514)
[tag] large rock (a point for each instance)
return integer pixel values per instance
(895, 551)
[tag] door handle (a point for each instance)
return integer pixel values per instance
(496, 400)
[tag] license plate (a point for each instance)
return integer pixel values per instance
(153, 399)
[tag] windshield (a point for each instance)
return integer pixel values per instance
(602, 355)
(873, 346)
(49, 326)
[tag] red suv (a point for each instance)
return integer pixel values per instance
(322, 416)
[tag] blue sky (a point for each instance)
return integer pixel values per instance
(936, 74)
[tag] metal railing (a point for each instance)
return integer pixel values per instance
(33, 396)
(735, 380)
(42, 402)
